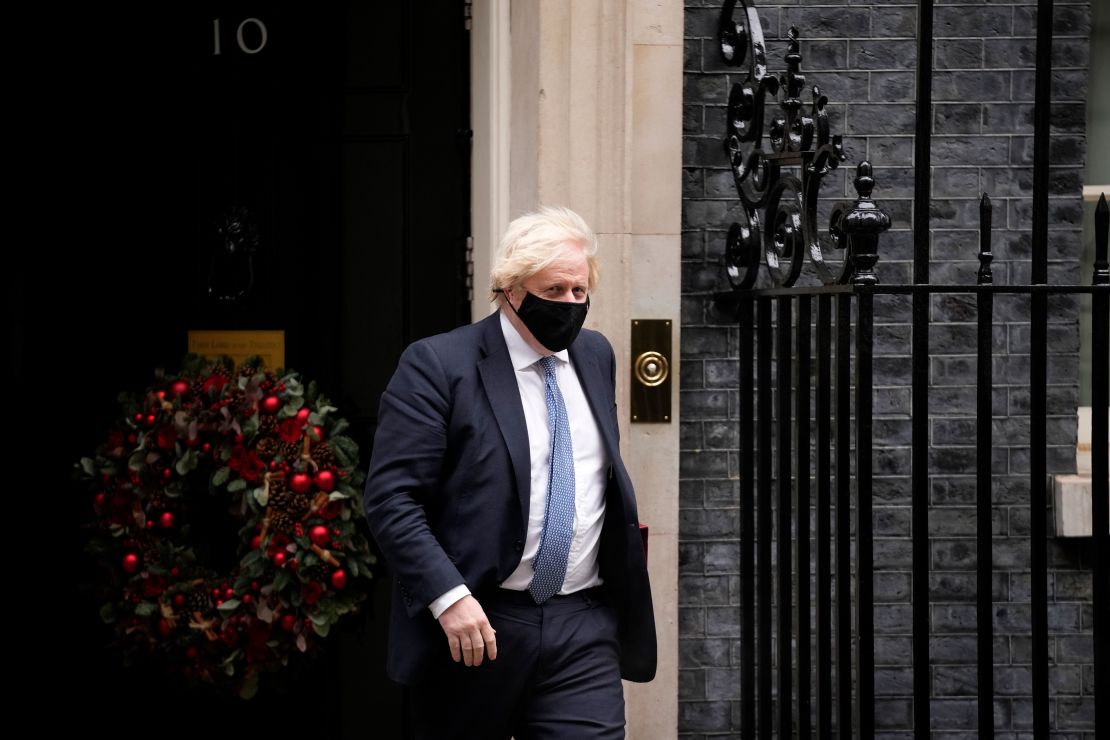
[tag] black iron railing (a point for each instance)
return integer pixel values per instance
(776, 236)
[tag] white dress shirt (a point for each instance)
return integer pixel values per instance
(590, 466)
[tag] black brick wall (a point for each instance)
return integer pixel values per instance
(863, 55)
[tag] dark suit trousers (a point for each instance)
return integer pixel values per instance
(557, 675)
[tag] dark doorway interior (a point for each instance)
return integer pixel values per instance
(342, 130)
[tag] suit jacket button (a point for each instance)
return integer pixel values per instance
(519, 545)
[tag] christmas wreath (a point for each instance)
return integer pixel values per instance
(269, 451)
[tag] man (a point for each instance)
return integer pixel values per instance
(498, 496)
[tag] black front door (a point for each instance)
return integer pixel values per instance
(339, 134)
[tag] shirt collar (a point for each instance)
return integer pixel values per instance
(521, 354)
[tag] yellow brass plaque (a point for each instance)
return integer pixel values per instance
(239, 345)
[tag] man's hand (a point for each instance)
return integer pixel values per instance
(469, 633)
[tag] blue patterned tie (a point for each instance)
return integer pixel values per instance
(550, 564)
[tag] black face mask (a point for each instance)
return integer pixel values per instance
(554, 324)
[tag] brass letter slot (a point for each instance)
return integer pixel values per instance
(651, 370)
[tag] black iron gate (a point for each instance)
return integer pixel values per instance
(799, 461)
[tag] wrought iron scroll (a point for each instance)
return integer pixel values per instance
(780, 209)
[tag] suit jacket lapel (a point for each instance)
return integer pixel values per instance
(499, 381)
(599, 393)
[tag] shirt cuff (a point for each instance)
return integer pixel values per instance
(440, 605)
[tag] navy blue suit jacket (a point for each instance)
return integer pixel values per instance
(450, 481)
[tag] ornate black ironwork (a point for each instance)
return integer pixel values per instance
(985, 276)
(778, 220)
(780, 209)
(1102, 265)
(861, 226)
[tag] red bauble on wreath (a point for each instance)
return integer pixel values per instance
(268, 450)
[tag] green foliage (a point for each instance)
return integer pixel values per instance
(203, 433)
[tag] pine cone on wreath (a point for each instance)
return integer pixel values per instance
(292, 505)
(277, 485)
(291, 451)
(281, 501)
(282, 522)
(323, 454)
(267, 447)
(237, 403)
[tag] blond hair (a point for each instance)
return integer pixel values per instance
(535, 240)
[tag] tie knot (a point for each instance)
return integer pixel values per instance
(548, 365)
